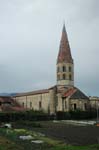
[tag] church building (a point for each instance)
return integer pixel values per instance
(64, 96)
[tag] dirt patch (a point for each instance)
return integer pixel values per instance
(75, 135)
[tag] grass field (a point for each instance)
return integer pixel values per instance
(9, 140)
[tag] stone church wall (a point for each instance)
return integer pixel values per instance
(72, 104)
(35, 102)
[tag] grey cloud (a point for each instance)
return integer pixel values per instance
(30, 32)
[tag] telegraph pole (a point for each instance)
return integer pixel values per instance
(97, 113)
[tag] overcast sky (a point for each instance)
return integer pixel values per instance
(30, 32)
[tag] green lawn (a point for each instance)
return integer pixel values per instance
(90, 147)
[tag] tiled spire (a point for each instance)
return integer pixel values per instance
(64, 49)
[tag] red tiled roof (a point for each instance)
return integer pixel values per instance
(74, 93)
(9, 104)
(18, 109)
(8, 108)
(69, 92)
(32, 93)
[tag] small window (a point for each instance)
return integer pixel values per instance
(30, 104)
(70, 77)
(40, 105)
(70, 69)
(58, 77)
(85, 105)
(64, 69)
(64, 76)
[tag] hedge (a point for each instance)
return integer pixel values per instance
(41, 116)
(28, 115)
(76, 115)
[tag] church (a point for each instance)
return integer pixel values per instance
(64, 96)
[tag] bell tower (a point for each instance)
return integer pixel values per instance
(65, 65)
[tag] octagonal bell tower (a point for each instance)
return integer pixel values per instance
(65, 65)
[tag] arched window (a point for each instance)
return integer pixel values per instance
(75, 106)
(40, 105)
(23, 104)
(70, 68)
(64, 68)
(70, 77)
(64, 76)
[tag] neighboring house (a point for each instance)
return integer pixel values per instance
(64, 96)
(94, 102)
(8, 104)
